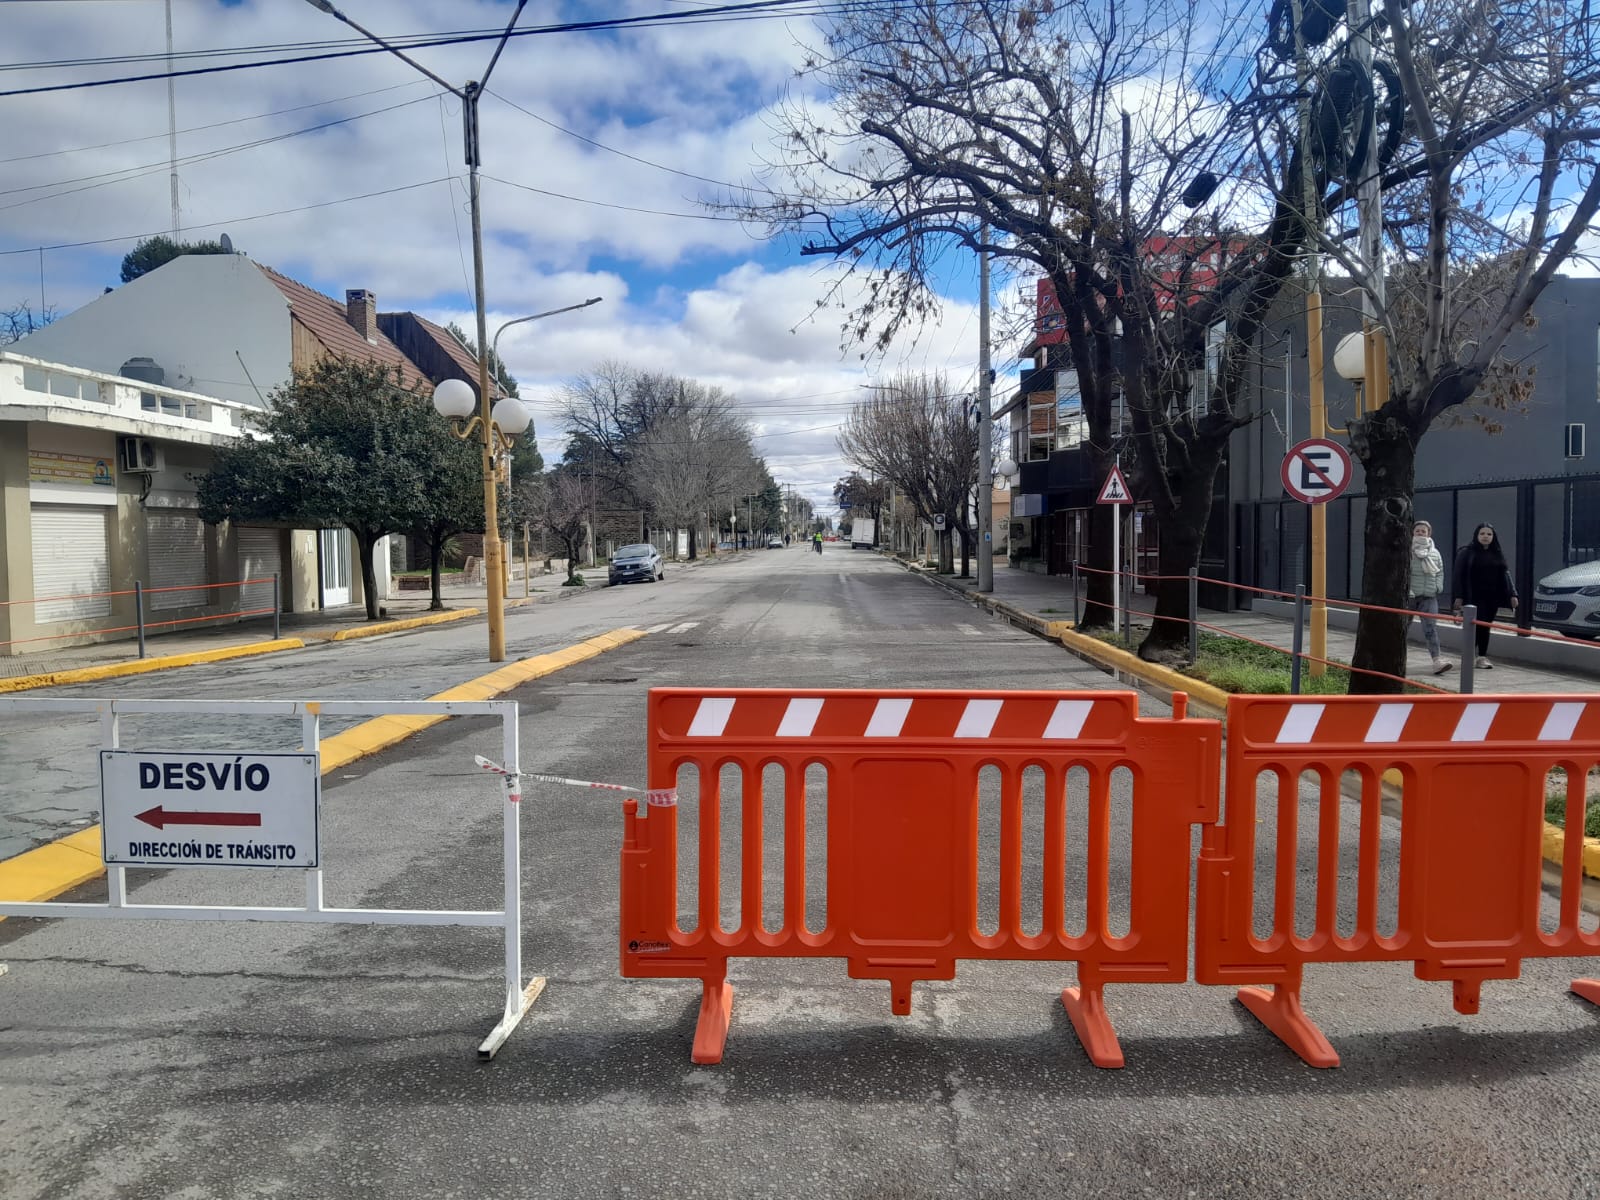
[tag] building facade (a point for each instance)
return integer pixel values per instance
(110, 415)
(1526, 470)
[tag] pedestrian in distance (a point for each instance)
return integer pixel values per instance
(1427, 581)
(816, 539)
(1483, 578)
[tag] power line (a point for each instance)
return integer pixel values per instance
(127, 174)
(137, 237)
(621, 153)
(753, 9)
(150, 137)
(654, 212)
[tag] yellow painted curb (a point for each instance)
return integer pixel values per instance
(143, 665)
(361, 631)
(1200, 692)
(50, 870)
(47, 871)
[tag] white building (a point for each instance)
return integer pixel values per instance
(109, 416)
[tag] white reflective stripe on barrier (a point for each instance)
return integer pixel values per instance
(518, 996)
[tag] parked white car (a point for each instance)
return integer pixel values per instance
(1569, 601)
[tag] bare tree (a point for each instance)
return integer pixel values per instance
(692, 458)
(1496, 195)
(18, 321)
(915, 435)
(562, 510)
(1071, 140)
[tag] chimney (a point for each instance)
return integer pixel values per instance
(361, 310)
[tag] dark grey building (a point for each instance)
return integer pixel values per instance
(1529, 471)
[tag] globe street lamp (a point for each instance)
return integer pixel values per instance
(495, 427)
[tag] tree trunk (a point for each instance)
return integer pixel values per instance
(947, 554)
(435, 558)
(966, 555)
(693, 530)
(1180, 534)
(366, 543)
(1388, 453)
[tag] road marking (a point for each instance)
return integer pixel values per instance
(970, 631)
(684, 628)
(658, 628)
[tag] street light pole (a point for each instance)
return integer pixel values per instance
(468, 95)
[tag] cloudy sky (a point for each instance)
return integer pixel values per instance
(376, 197)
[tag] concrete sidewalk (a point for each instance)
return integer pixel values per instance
(322, 626)
(1049, 598)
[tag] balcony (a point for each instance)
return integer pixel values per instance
(34, 390)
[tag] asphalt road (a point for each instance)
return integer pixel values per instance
(155, 1059)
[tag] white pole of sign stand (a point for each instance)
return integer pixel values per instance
(518, 998)
(1116, 560)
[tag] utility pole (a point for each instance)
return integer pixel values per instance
(172, 126)
(985, 450)
(469, 94)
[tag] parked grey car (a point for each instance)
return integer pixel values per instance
(640, 563)
(1569, 601)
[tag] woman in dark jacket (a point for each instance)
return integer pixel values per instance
(1482, 578)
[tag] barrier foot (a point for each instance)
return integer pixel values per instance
(711, 1030)
(1589, 989)
(1280, 1011)
(1086, 1007)
(516, 1008)
(1465, 994)
(900, 997)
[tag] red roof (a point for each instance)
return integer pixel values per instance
(327, 321)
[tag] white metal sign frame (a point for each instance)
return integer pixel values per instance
(519, 996)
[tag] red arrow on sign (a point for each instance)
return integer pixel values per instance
(161, 818)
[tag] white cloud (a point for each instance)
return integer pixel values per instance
(699, 298)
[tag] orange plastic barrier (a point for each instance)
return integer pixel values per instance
(902, 853)
(1467, 877)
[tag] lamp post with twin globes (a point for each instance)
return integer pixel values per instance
(494, 427)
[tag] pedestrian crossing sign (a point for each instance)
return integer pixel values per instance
(1115, 490)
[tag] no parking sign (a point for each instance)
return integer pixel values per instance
(1316, 470)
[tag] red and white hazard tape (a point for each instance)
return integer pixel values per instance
(660, 797)
(512, 784)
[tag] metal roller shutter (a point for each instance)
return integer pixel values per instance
(70, 559)
(260, 557)
(176, 542)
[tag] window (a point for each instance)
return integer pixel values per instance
(170, 406)
(1204, 378)
(1041, 425)
(54, 383)
(1072, 429)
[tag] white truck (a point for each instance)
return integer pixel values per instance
(861, 531)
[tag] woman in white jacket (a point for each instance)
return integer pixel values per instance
(1427, 581)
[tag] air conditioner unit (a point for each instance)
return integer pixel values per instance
(139, 455)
